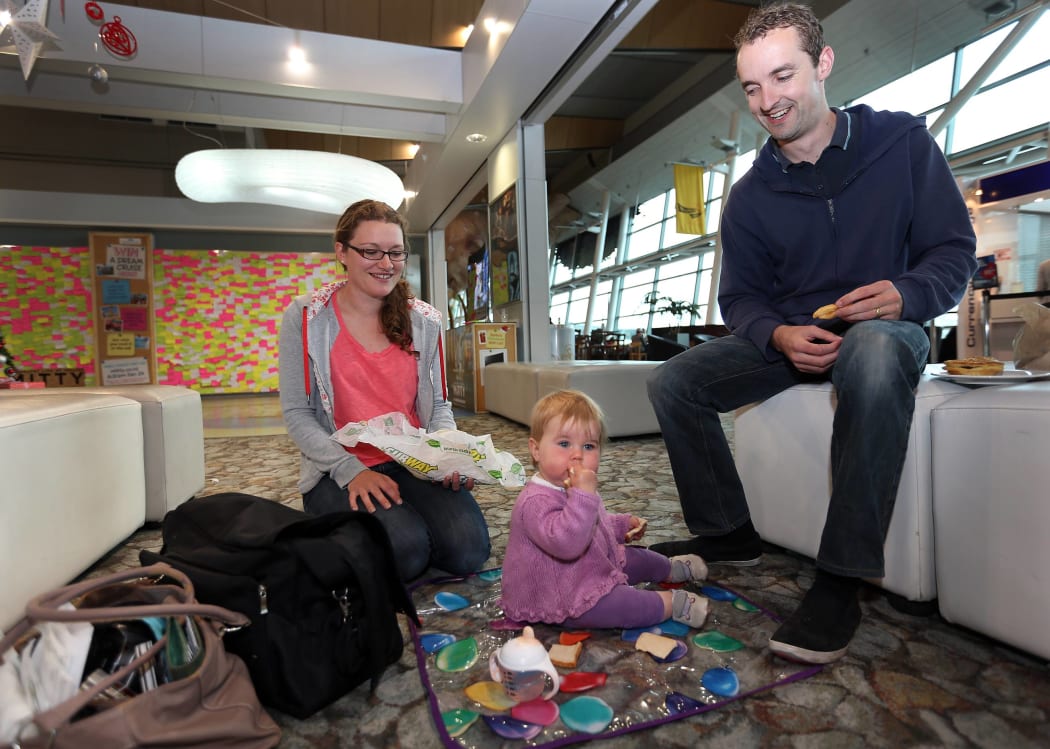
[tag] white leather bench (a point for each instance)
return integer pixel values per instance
(783, 455)
(991, 505)
(173, 433)
(618, 387)
(73, 488)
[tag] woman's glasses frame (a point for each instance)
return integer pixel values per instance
(373, 254)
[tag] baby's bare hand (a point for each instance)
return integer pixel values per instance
(583, 479)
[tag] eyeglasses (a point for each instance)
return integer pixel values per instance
(396, 256)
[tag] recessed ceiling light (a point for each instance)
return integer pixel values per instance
(477, 138)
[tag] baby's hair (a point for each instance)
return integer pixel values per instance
(572, 407)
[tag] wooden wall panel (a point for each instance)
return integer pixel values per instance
(561, 133)
(405, 21)
(687, 24)
(359, 18)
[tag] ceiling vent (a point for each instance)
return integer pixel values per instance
(993, 9)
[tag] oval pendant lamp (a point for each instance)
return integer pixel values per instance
(311, 180)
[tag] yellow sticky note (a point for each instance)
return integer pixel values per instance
(120, 344)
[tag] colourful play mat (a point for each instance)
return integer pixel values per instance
(614, 688)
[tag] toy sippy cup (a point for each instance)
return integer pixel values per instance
(523, 666)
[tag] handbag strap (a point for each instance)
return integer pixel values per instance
(45, 607)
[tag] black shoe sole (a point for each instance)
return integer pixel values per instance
(693, 546)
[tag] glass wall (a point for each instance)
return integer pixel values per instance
(658, 264)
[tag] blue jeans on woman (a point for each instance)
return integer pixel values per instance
(433, 526)
(875, 375)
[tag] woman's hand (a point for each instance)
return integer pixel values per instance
(370, 487)
(455, 482)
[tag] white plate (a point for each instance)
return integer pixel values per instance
(1010, 376)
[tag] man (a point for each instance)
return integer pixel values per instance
(849, 207)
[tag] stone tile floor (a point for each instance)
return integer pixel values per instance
(907, 681)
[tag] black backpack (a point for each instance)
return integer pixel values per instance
(322, 593)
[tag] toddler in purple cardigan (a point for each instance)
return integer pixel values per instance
(567, 559)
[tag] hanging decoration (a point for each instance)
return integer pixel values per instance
(117, 38)
(27, 31)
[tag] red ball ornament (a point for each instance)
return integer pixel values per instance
(94, 11)
(118, 38)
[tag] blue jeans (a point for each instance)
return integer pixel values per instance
(875, 375)
(433, 526)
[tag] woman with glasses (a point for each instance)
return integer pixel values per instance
(358, 348)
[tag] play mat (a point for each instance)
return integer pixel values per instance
(614, 687)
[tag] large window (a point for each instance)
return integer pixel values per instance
(660, 263)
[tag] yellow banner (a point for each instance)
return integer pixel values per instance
(689, 198)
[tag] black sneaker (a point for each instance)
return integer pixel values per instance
(822, 626)
(739, 548)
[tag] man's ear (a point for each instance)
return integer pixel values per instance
(825, 63)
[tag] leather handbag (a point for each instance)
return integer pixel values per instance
(210, 700)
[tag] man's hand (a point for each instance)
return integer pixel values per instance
(809, 347)
(369, 487)
(876, 301)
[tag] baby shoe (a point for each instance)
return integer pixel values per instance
(686, 568)
(688, 608)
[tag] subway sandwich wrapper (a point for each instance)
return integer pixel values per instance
(435, 455)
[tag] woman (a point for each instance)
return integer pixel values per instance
(362, 347)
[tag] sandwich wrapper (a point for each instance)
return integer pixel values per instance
(435, 455)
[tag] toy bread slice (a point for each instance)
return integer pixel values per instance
(657, 645)
(565, 656)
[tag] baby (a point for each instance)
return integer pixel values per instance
(567, 559)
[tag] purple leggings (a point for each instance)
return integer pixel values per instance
(628, 607)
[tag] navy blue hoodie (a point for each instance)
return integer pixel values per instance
(899, 216)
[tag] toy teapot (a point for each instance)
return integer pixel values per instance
(523, 667)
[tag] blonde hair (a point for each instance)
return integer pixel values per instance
(572, 407)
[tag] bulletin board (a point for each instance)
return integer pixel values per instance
(122, 275)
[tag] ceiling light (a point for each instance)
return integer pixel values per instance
(310, 180)
(413, 149)
(477, 138)
(296, 54)
(490, 24)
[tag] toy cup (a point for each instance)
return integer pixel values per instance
(523, 667)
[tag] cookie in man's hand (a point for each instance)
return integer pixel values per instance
(827, 312)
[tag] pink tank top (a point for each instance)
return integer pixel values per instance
(366, 384)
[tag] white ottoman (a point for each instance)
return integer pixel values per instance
(173, 430)
(510, 390)
(73, 488)
(991, 507)
(783, 454)
(618, 387)
(173, 434)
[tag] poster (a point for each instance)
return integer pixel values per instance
(123, 287)
(506, 269)
(133, 371)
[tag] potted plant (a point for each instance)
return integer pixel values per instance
(673, 306)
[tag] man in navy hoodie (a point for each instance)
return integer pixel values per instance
(849, 207)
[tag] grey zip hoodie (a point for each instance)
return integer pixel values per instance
(308, 331)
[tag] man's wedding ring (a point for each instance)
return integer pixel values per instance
(878, 311)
